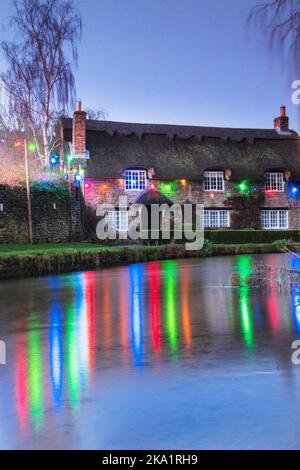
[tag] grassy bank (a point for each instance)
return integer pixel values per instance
(25, 260)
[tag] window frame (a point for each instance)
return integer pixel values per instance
(209, 184)
(217, 214)
(272, 186)
(116, 218)
(270, 222)
(141, 179)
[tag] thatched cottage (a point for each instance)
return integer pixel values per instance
(149, 162)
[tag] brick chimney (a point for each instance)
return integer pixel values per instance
(79, 131)
(281, 123)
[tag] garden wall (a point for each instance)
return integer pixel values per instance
(54, 215)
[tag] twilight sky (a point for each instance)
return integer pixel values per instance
(177, 61)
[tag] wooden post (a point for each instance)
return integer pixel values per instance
(70, 197)
(28, 193)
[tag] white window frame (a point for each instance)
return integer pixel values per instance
(216, 218)
(272, 219)
(274, 181)
(135, 180)
(214, 181)
(118, 220)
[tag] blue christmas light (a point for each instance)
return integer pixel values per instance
(78, 179)
(293, 190)
(54, 160)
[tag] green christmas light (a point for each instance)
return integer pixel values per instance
(31, 147)
(243, 187)
(167, 188)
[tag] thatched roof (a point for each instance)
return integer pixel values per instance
(176, 152)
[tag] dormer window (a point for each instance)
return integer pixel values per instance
(213, 181)
(274, 182)
(135, 180)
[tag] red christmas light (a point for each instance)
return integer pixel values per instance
(17, 143)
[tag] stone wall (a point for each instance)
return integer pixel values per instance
(53, 216)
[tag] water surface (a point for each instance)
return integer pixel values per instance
(159, 355)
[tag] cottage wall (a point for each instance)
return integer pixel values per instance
(108, 192)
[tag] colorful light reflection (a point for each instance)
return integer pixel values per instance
(244, 269)
(136, 311)
(56, 355)
(170, 279)
(35, 373)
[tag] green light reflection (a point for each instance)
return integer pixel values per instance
(170, 278)
(244, 268)
(72, 357)
(35, 372)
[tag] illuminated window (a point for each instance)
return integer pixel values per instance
(213, 181)
(117, 220)
(1, 207)
(274, 182)
(216, 219)
(273, 218)
(135, 180)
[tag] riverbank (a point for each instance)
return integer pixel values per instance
(17, 261)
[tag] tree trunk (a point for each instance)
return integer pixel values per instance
(46, 146)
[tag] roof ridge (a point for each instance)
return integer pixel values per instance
(179, 129)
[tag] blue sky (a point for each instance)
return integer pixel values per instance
(177, 61)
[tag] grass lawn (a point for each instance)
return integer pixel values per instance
(14, 249)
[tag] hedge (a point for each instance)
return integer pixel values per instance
(250, 236)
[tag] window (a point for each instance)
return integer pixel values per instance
(1, 207)
(273, 218)
(118, 220)
(274, 182)
(216, 219)
(213, 181)
(135, 180)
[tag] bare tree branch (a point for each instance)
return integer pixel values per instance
(280, 20)
(39, 80)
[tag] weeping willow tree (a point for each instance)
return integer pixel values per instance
(39, 81)
(280, 21)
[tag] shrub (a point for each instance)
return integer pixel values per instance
(245, 210)
(207, 249)
(281, 245)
